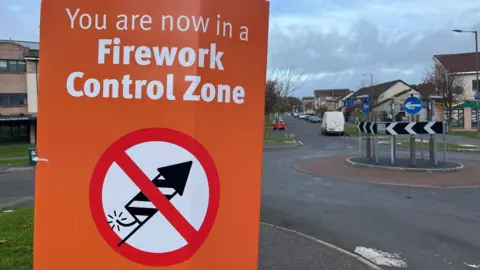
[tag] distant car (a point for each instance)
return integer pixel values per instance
(279, 125)
(307, 118)
(302, 116)
(314, 119)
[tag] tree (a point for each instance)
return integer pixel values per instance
(321, 110)
(310, 105)
(288, 103)
(289, 80)
(271, 97)
(449, 86)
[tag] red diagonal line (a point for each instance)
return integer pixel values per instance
(163, 205)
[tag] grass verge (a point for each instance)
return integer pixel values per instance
(450, 146)
(350, 130)
(16, 239)
(268, 138)
(14, 162)
(15, 150)
(471, 134)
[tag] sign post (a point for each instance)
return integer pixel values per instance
(477, 98)
(139, 185)
(413, 106)
(368, 144)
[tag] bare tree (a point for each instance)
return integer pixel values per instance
(449, 86)
(271, 97)
(289, 80)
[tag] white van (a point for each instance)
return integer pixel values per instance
(333, 123)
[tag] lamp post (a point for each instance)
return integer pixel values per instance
(475, 32)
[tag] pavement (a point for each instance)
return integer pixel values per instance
(323, 222)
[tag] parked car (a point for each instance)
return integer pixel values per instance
(279, 125)
(302, 116)
(333, 123)
(315, 119)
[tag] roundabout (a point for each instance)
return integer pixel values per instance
(455, 174)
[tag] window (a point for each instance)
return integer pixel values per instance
(13, 99)
(13, 66)
(474, 85)
(457, 118)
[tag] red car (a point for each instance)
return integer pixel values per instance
(279, 125)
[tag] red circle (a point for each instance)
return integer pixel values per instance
(98, 178)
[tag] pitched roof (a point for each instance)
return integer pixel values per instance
(396, 95)
(425, 89)
(461, 62)
(376, 89)
(32, 45)
(331, 92)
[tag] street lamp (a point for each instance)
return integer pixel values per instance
(475, 32)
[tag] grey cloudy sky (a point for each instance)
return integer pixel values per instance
(335, 41)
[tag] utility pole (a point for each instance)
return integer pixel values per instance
(478, 83)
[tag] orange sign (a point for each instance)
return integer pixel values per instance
(151, 125)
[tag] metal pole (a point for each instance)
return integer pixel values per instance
(376, 149)
(359, 141)
(392, 139)
(433, 143)
(444, 143)
(478, 83)
(413, 157)
(421, 147)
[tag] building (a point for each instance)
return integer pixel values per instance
(329, 98)
(464, 65)
(380, 98)
(308, 104)
(18, 91)
(464, 115)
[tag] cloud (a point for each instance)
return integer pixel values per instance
(335, 42)
(393, 39)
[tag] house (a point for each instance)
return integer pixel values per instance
(464, 116)
(343, 102)
(18, 91)
(380, 98)
(462, 64)
(329, 97)
(308, 104)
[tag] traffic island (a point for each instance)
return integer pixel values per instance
(455, 174)
(404, 164)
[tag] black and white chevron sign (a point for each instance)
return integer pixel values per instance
(414, 128)
(367, 127)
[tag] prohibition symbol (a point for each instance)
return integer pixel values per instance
(154, 196)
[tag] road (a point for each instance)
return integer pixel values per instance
(419, 228)
(428, 228)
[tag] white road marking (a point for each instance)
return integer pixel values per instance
(472, 265)
(381, 258)
(468, 145)
(299, 142)
(339, 249)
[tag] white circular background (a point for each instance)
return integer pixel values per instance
(157, 235)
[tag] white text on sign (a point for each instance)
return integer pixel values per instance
(111, 51)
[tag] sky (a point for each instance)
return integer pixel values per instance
(334, 42)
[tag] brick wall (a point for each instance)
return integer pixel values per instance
(12, 82)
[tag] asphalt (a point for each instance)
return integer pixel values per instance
(428, 228)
